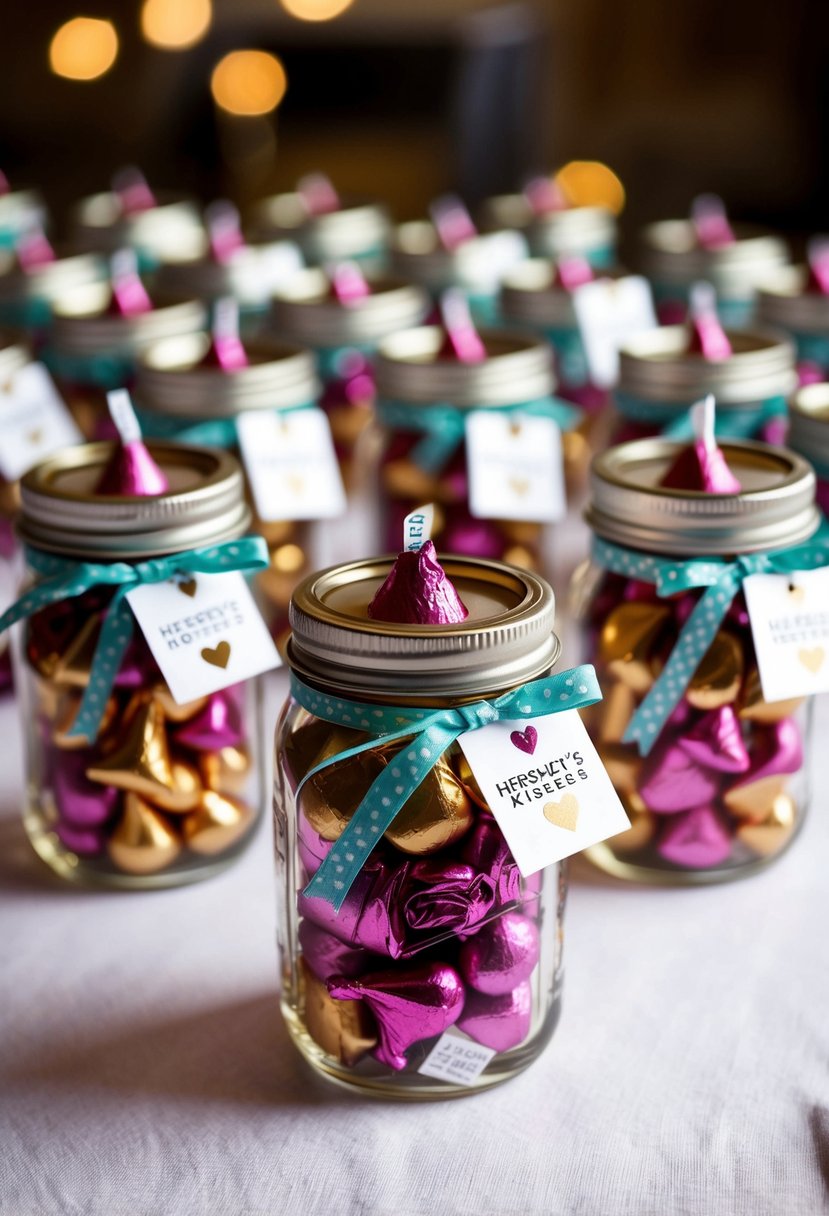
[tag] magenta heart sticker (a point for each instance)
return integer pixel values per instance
(525, 740)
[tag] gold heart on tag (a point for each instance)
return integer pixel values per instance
(798, 594)
(564, 814)
(812, 659)
(217, 656)
(515, 429)
(519, 485)
(188, 587)
(35, 436)
(296, 484)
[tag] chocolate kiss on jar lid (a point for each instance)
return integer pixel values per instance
(774, 509)
(506, 639)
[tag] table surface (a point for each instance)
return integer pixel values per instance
(146, 1070)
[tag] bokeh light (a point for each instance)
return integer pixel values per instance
(83, 48)
(589, 183)
(248, 82)
(316, 10)
(174, 25)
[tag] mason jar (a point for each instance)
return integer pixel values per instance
(170, 228)
(809, 433)
(180, 396)
(416, 384)
(476, 266)
(659, 379)
(164, 793)
(344, 335)
(588, 232)
(14, 355)
(440, 929)
(28, 296)
(20, 211)
(357, 230)
(712, 775)
(784, 302)
(673, 260)
(92, 348)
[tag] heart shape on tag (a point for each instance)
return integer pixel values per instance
(812, 659)
(217, 656)
(564, 814)
(525, 740)
(295, 483)
(798, 594)
(519, 485)
(188, 587)
(36, 436)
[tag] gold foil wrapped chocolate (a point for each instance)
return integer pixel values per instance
(143, 841)
(629, 639)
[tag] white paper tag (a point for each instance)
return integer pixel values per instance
(546, 786)
(123, 416)
(291, 464)
(279, 262)
(205, 632)
(610, 312)
(515, 467)
(417, 528)
(456, 1059)
(34, 421)
(790, 626)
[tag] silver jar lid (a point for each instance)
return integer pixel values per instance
(783, 300)
(672, 254)
(657, 366)
(775, 508)
(573, 230)
(14, 354)
(518, 368)
(357, 227)
(172, 381)
(809, 424)
(172, 228)
(530, 296)
(49, 281)
(506, 640)
(305, 311)
(82, 324)
(22, 210)
(478, 264)
(250, 275)
(60, 512)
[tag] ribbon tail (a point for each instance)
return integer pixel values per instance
(412, 729)
(44, 593)
(115, 637)
(403, 774)
(697, 635)
(434, 451)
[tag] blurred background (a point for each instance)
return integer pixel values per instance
(408, 98)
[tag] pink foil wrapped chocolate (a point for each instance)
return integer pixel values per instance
(216, 726)
(131, 471)
(327, 956)
(454, 898)
(716, 741)
(485, 848)
(417, 592)
(702, 466)
(672, 781)
(698, 839)
(500, 1022)
(501, 955)
(80, 802)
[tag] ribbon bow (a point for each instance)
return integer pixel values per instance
(430, 732)
(723, 579)
(66, 579)
(207, 432)
(443, 426)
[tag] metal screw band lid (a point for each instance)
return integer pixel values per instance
(775, 509)
(518, 367)
(672, 254)
(248, 276)
(173, 227)
(809, 423)
(51, 280)
(60, 513)
(82, 324)
(20, 209)
(170, 379)
(506, 640)
(357, 226)
(658, 367)
(304, 311)
(529, 296)
(783, 300)
(476, 265)
(573, 230)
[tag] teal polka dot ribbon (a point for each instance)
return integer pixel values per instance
(443, 426)
(674, 420)
(429, 733)
(62, 579)
(722, 580)
(112, 370)
(206, 432)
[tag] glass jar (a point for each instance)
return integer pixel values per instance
(158, 793)
(440, 896)
(344, 336)
(784, 302)
(659, 379)
(27, 296)
(356, 230)
(170, 228)
(476, 266)
(809, 434)
(415, 382)
(673, 260)
(179, 397)
(716, 786)
(20, 211)
(588, 232)
(93, 348)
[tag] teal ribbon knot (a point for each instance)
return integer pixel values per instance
(443, 425)
(206, 432)
(430, 732)
(722, 580)
(64, 579)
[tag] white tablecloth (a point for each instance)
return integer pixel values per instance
(145, 1068)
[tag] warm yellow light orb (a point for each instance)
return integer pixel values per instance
(589, 183)
(248, 82)
(174, 25)
(315, 10)
(83, 48)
